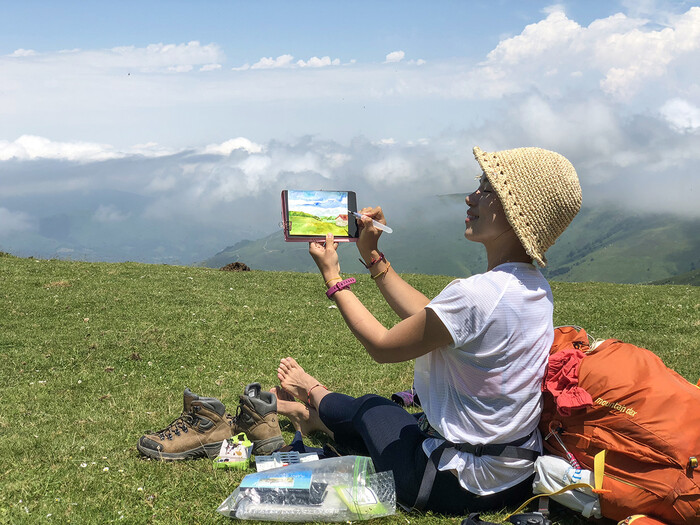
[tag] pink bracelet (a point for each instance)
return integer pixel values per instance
(373, 261)
(340, 286)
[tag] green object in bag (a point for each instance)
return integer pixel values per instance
(235, 453)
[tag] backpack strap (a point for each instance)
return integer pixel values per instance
(426, 484)
(506, 450)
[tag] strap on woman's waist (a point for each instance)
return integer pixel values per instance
(505, 450)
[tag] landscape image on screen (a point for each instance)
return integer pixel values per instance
(316, 213)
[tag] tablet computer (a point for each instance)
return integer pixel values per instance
(308, 215)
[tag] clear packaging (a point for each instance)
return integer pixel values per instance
(553, 473)
(282, 459)
(335, 489)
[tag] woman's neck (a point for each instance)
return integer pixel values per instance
(503, 260)
(507, 249)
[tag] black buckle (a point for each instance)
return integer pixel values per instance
(478, 450)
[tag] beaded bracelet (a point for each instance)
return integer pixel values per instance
(383, 272)
(373, 261)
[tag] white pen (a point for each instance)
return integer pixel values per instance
(376, 224)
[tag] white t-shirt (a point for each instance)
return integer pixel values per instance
(485, 386)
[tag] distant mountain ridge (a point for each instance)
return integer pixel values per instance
(599, 245)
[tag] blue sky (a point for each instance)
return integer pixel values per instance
(201, 112)
(363, 30)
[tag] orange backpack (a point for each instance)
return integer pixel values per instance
(647, 418)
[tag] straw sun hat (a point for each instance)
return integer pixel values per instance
(539, 191)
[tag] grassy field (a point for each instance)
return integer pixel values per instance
(305, 224)
(93, 355)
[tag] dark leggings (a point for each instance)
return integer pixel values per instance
(374, 426)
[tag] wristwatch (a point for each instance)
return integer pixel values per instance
(340, 286)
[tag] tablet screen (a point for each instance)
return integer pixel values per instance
(311, 214)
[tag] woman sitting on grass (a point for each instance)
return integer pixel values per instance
(480, 347)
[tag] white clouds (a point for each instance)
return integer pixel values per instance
(152, 58)
(29, 147)
(395, 56)
(393, 169)
(175, 91)
(619, 97)
(319, 62)
(225, 148)
(554, 8)
(183, 68)
(557, 83)
(536, 40)
(622, 54)
(109, 213)
(32, 147)
(23, 53)
(681, 114)
(287, 62)
(156, 56)
(234, 185)
(14, 222)
(273, 63)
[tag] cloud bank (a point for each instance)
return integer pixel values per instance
(619, 97)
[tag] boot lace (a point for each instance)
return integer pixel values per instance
(232, 420)
(183, 423)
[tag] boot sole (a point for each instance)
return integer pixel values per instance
(265, 447)
(210, 450)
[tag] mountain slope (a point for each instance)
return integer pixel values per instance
(600, 245)
(688, 278)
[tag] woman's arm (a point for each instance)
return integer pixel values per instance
(416, 335)
(403, 298)
(413, 337)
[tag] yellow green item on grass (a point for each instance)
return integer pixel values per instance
(235, 453)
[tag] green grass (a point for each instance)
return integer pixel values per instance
(93, 355)
(311, 225)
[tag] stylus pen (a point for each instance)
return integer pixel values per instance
(376, 224)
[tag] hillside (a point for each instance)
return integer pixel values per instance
(691, 278)
(92, 355)
(600, 245)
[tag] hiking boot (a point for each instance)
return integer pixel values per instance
(197, 433)
(257, 417)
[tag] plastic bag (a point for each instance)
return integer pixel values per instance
(553, 473)
(335, 489)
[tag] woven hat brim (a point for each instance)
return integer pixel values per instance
(489, 171)
(539, 191)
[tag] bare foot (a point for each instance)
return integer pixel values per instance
(304, 418)
(282, 394)
(294, 379)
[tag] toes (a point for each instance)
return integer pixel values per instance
(291, 362)
(282, 394)
(287, 363)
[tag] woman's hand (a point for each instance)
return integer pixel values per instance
(369, 234)
(325, 255)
